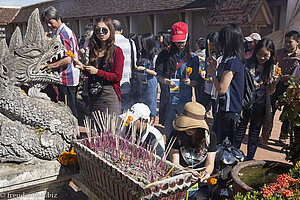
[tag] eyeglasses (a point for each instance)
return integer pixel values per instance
(102, 30)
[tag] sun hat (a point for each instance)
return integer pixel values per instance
(253, 37)
(192, 116)
(179, 32)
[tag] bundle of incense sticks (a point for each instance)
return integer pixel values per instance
(107, 137)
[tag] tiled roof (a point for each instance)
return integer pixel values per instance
(7, 15)
(72, 9)
(240, 12)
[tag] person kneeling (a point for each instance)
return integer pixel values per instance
(195, 147)
(142, 132)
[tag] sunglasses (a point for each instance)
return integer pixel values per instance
(103, 30)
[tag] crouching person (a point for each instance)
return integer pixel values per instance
(195, 147)
(141, 130)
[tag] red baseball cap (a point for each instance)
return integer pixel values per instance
(179, 32)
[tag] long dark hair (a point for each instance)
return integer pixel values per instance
(135, 38)
(96, 44)
(150, 50)
(187, 48)
(269, 45)
(186, 140)
(214, 38)
(166, 38)
(231, 41)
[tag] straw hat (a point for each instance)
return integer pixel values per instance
(192, 116)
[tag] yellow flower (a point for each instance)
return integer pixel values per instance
(128, 121)
(67, 157)
(70, 53)
(200, 71)
(189, 70)
(23, 91)
(212, 181)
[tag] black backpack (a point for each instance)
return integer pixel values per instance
(249, 90)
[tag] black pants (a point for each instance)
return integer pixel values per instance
(280, 89)
(225, 125)
(68, 94)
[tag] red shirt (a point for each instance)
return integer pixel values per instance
(115, 75)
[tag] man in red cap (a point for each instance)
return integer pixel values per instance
(178, 68)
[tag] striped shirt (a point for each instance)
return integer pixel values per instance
(69, 75)
(124, 44)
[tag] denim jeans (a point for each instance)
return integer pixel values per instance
(256, 118)
(173, 109)
(225, 125)
(149, 95)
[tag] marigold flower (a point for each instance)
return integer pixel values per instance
(200, 71)
(70, 53)
(189, 70)
(67, 157)
(212, 181)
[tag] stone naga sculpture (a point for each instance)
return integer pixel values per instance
(31, 125)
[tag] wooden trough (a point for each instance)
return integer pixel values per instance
(108, 181)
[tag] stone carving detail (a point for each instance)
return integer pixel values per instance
(31, 126)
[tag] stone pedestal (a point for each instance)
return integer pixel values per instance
(37, 180)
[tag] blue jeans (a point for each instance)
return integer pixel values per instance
(256, 117)
(173, 109)
(225, 125)
(149, 95)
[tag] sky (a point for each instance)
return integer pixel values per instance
(18, 3)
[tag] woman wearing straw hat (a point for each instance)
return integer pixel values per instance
(195, 146)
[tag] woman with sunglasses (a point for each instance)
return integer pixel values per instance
(104, 69)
